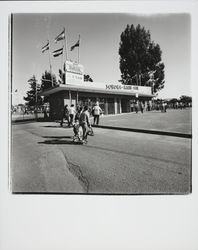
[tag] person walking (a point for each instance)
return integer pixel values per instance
(136, 107)
(164, 106)
(96, 113)
(76, 125)
(65, 115)
(141, 107)
(84, 122)
(71, 115)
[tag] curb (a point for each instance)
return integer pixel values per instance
(156, 132)
(29, 120)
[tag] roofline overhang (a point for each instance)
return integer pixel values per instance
(79, 88)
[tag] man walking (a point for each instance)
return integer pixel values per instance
(96, 113)
(84, 122)
(65, 115)
(71, 114)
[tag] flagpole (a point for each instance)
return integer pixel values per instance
(50, 60)
(49, 53)
(50, 68)
(79, 50)
(62, 64)
(66, 51)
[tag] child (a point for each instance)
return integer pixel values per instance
(76, 125)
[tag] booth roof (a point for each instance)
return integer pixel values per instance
(91, 89)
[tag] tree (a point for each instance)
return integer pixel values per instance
(185, 99)
(61, 76)
(173, 100)
(87, 78)
(48, 81)
(32, 97)
(140, 59)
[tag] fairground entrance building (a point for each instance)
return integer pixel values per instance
(112, 98)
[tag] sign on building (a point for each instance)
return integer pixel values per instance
(74, 73)
(129, 88)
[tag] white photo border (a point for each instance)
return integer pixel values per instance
(96, 221)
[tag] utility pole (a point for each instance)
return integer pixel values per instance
(137, 79)
(140, 79)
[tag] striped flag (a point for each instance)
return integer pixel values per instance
(57, 52)
(46, 47)
(77, 44)
(61, 36)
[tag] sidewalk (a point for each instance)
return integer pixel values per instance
(173, 122)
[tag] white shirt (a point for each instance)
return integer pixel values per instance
(71, 110)
(97, 110)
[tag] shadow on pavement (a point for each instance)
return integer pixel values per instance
(56, 137)
(60, 142)
(54, 126)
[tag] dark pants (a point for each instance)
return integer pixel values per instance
(85, 131)
(71, 119)
(66, 117)
(96, 119)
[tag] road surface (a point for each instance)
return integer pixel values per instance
(45, 160)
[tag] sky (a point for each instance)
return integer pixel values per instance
(100, 37)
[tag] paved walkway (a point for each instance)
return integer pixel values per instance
(178, 121)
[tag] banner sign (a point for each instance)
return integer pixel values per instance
(74, 73)
(75, 68)
(132, 88)
(74, 79)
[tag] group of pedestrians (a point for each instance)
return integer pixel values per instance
(138, 106)
(80, 118)
(68, 115)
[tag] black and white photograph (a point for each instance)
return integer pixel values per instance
(98, 125)
(101, 103)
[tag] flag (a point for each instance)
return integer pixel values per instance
(77, 44)
(58, 52)
(61, 36)
(46, 47)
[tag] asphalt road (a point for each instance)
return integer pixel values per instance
(44, 160)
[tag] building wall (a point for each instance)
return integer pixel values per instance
(125, 104)
(57, 105)
(109, 104)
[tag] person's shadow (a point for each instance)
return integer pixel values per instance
(58, 140)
